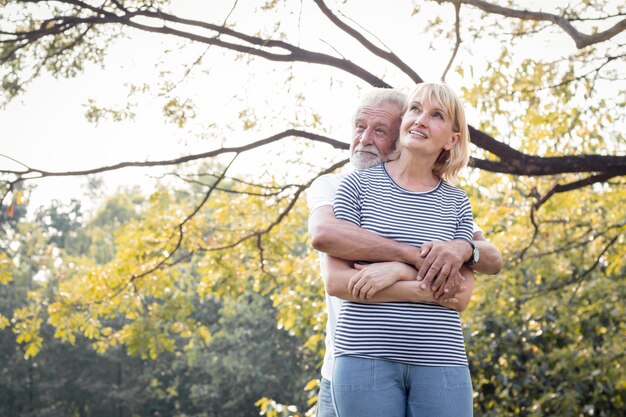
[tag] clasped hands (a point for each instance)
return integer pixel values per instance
(437, 268)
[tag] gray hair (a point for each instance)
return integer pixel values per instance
(379, 96)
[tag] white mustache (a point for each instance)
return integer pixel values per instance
(368, 148)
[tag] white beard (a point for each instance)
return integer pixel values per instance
(362, 160)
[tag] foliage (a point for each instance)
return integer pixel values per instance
(241, 356)
(545, 335)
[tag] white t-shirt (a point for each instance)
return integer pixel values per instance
(322, 193)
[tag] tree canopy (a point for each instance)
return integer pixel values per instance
(544, 86)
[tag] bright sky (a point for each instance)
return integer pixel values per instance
(46, 127)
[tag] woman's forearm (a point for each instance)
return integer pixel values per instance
(339, 273)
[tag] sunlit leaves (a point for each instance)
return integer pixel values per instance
(538, 334)
(248, 119)
(178, 112)
(27, 325)
(95, 113)
(43, 43)
(270, 408)
(544, 336)
(5, 273)
(4, 322)
(141, 296)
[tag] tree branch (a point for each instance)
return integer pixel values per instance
(282, 214)
(386, 55)
(515, 162)
(257, 46)
(575, 279)
(457, 29)
(31, 173)
(562, 188)
(581, 39)
(510, 160)
(180, 231)
(538, 165)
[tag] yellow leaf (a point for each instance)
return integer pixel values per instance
(5, 274)
(204, 333)
(4, 322)
(312, 384)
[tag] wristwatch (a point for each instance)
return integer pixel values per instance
(475, 255)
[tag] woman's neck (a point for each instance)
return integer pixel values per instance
(413, 174)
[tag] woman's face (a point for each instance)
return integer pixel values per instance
(427, 127)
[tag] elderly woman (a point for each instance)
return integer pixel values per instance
(402, 359)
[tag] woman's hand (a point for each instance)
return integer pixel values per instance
(372, 278)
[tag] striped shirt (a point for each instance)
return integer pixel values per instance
(414, 333)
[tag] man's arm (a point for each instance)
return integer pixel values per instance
(490, 261)
(345, 240)
(340, 272)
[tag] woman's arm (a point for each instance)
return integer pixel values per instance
(404, 286)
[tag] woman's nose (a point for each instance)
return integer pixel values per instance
(421, 120)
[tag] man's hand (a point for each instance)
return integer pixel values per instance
(441, 262)
(372, 278)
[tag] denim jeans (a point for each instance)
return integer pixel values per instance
(378, 388)
(325, 407)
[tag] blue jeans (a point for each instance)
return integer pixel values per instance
(378, 388)
(325, 407)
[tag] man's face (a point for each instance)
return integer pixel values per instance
(376, 130)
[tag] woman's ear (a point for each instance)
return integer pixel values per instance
(456, 136)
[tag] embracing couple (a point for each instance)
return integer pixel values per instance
(399, 247)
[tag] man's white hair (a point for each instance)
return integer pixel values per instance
(378, 96)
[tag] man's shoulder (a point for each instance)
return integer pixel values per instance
(332, 177)
(328, 180)
(322, 190)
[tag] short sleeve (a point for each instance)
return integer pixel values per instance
(322, 191)
(347, 204)
(465, 220)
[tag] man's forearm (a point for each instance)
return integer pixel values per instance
(490, 261)
(345, 240)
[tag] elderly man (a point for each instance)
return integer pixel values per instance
(437, 264)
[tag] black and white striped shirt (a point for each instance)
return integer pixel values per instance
(414, 333)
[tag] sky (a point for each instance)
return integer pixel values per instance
(46, 127)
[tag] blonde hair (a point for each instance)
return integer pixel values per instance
(449, 163)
